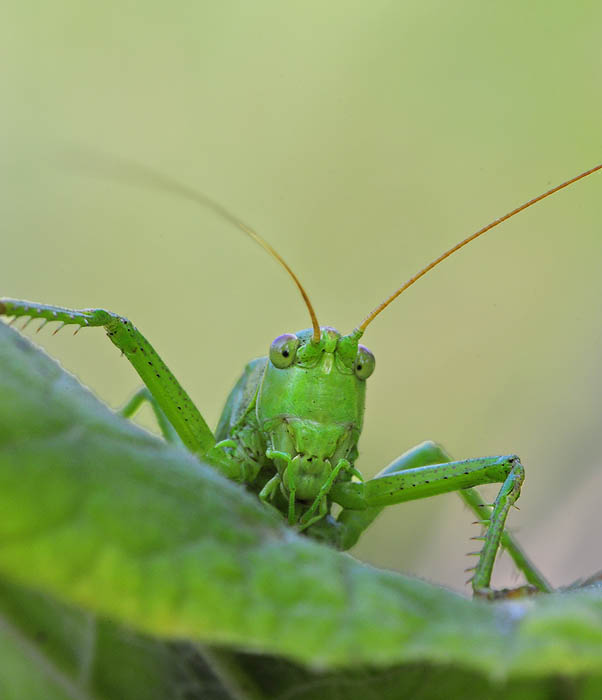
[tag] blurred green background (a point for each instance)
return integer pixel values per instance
(361, 139)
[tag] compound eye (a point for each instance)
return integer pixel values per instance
(364, 362)
(283, 350)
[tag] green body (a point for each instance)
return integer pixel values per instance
(290, 431)
(311, 411)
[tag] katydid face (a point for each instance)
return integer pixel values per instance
(311, 403)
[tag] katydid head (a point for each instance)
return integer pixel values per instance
(311, 403)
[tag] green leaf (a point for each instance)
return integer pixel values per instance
(49, 647)
(102, 516)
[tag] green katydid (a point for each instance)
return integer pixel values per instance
(290, 428)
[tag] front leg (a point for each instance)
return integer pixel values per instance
(427, 470)
(164, 387)
(168, 394)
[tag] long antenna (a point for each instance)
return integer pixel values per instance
(133, 173)
(383, 305)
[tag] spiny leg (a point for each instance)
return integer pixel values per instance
(422, 482)
(414, 475)
(170, 396)
(506, 498)
(430, 452)
(534, 577)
